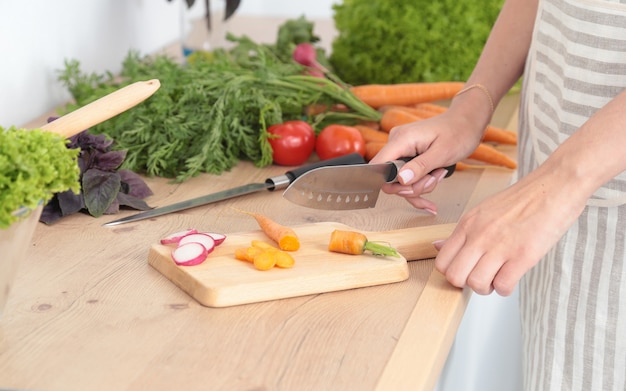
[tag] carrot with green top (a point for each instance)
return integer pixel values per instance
(356, 243)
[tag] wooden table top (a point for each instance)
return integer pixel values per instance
(88, 312)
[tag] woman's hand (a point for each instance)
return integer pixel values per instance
(498, 241)
(437, 142)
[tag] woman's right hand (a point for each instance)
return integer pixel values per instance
(436, 142)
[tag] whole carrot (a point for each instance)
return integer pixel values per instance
(488, 154)
(395, 117)
(491, 134)
(356, 243)
(372, 135)
(372, 148)
(284, 236)
(405, 94)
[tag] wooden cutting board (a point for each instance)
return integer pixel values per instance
(223, 281)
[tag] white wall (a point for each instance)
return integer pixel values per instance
(37, 36)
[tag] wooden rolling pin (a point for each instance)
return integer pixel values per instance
(102, 109)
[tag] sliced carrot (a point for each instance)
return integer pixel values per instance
(265, 260)
(378, 95)
(284, 260)
(488, 154)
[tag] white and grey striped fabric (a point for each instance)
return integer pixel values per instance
(573, 303)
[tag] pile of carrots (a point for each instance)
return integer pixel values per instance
(400, 104)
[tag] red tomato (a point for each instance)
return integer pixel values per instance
(339, 140)
(295, 142)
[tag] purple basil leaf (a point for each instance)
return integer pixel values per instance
(113, 208)
(100, 189)
(136, 186)
(132, 202)
(51, 212)
(70, 203)
(109, 161)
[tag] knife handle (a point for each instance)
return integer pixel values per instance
(397, 164)
(282, 181)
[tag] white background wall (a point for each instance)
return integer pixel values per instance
(37, 36)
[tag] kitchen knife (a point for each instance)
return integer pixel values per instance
(271, 184)
(354, 186)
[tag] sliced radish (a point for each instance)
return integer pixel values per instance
(189, 254)
(219, 238)
(177, 236)
(205, 240)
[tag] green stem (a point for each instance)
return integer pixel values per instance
(381, 249)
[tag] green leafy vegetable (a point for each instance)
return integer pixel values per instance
(213, 111)
(104, 187)
(34, 165)
(388, 42)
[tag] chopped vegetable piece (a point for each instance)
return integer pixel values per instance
(284, 260)
(175, 237)
(265, 260)
(285, 237)
(189, 254)
(218, 238)
(205, 240)
(356, 243)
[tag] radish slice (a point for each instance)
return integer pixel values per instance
(219, 238)
(177, 236)
(189, 254)
(205, 240)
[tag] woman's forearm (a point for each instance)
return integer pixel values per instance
(502, 60)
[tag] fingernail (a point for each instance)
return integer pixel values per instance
(431, 211)
(406, 192)
(430, 182)
(438, 243)
(442, 175)
(405, 175)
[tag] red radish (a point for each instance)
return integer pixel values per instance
(205, 240)
(189, 254)
(306, 55)
(219, 238)
(177, 236)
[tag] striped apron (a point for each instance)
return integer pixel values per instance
(573, 302)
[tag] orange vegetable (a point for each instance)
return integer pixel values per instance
(265, 260)
(356, 243)
(264, 256)
(372, 148)
(488, 154)
(284, 260)
(284, 236)
(395, 117)
(372, 135)
(492, 133)
(247, 254)
(405, 94)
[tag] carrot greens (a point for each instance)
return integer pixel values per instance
(214, 110)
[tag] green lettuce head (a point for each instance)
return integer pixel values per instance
(34, 165)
